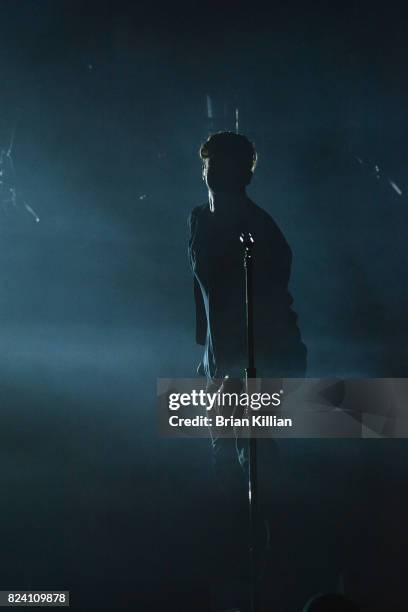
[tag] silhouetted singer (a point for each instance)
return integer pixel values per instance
(216, 258)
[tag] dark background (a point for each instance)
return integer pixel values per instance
(103, 106)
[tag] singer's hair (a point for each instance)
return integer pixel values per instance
(330, 601)
(236, 147)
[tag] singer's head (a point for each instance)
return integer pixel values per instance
(229, 161)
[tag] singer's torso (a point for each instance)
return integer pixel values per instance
(216, 257)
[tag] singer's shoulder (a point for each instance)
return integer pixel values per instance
(267, 225)
(199, 211)
(262, 216)
(197, 214)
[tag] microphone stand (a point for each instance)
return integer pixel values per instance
(250, 374)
